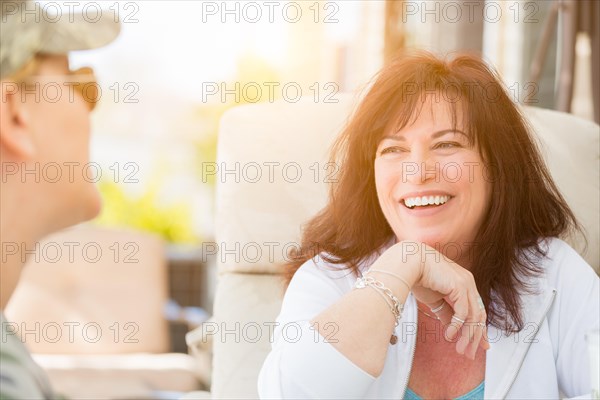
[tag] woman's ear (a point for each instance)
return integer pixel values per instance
(16, 137)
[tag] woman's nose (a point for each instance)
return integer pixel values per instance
(419, 168)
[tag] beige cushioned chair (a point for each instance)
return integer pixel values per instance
(90, 307)
(267, 213)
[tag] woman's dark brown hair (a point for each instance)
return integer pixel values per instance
(525, 203)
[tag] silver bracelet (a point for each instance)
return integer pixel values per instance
(392, 274)
(396, 307)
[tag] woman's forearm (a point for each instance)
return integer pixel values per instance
(364, 321)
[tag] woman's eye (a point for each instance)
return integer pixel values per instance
(447, 145)
(393, 149)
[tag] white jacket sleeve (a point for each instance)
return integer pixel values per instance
(576, 311)
(302, 364)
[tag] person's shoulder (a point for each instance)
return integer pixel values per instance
(558, 251)
(327, 267)
(563, 264)
(316, 284)
(323, 267)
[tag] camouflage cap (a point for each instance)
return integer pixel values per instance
(26, 29)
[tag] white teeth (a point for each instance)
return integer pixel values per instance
(411, 202)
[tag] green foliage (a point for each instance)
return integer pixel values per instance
(173, 222)
(201, 124)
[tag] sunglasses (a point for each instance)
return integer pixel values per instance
(84, 82)
(81, 82)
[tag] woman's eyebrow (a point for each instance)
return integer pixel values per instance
(435, 135)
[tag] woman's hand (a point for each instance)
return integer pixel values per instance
(439, 281)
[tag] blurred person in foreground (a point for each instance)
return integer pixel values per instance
(436, 268)
(36, 130)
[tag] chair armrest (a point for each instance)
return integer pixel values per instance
(201, 338)
(200, 344)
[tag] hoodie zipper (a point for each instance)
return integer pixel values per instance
(529, 345)
(412, 357)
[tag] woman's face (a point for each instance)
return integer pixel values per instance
(430, 181)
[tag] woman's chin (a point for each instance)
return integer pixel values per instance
(458, 252)
(435, 240)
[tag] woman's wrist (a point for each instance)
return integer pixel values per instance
(410, 261)
(398, 270)
(395, 284)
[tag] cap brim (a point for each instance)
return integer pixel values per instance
(78, 32)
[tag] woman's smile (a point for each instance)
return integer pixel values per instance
(429, 179)
(421, 204)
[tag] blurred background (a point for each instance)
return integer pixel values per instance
(179, 65)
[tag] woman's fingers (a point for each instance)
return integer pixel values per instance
(473, 329)
(478, 339)
(483, 324)
(461, 311)
(479, 321)
(483, 340)
(475, 339)
(464, 316)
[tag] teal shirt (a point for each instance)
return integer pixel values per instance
(474, 394)
(20, 376)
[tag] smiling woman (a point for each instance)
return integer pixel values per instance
(430, 182)
(393, 149)
(443, 206)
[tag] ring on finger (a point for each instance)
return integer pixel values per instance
(438, 308)
(481, 324)
(454, 317)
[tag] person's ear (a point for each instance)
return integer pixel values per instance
(16, 137)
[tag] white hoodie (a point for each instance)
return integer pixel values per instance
(546, 359)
